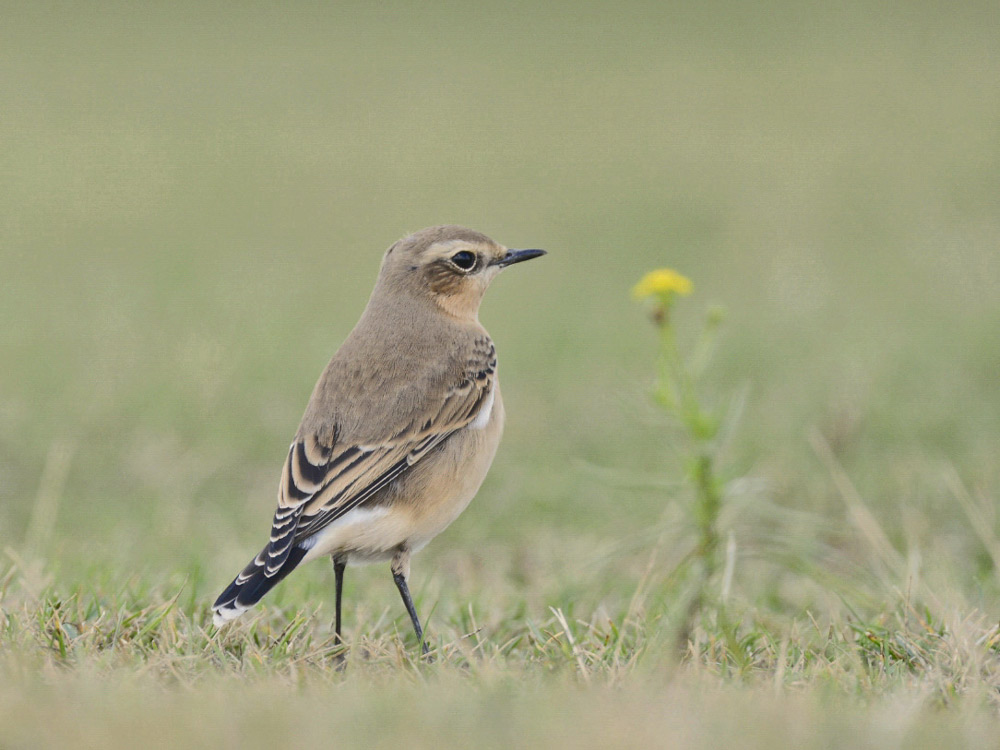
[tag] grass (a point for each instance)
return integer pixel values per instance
(193, 206)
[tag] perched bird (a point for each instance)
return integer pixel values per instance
(401, 427)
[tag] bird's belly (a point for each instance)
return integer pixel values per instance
(366, 534)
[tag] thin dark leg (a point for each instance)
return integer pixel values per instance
(404, 591)
(338, 569)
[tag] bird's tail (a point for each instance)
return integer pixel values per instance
(251, 584)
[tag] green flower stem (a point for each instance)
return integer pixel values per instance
(674, 378)
(676, 391)
(707, 508)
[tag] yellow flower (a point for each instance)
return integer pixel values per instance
(663, 282)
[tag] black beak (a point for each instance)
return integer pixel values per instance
(516, 256)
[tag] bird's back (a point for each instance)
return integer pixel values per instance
(393, 370)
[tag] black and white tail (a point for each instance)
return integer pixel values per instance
(255, 580)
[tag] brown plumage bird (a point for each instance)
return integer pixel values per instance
(401, 427)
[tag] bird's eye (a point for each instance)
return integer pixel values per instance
(464, 259)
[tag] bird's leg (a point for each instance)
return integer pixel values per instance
(400, 572)
(338, 568)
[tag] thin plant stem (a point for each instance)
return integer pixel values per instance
(676, 391)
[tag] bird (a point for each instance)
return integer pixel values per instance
(401, 428)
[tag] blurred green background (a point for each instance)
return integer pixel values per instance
(194, 199)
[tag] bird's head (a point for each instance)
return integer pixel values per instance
(450, 265)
